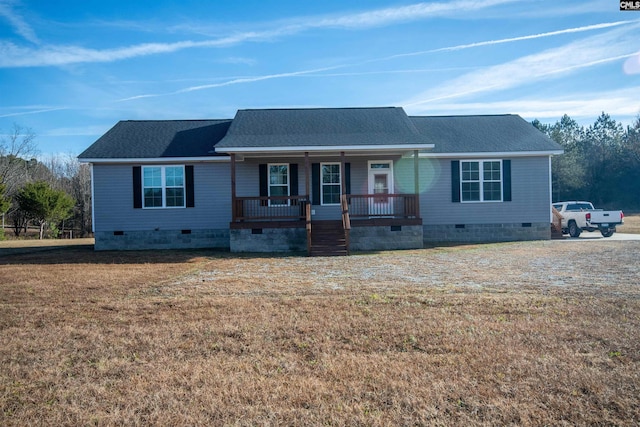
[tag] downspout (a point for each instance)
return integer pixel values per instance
(307, 211)
(234, 207)
(416, 178)
(93, 202)
(550, 192)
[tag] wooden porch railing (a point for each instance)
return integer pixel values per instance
(287, 208)
(270, 208)
(383, 205)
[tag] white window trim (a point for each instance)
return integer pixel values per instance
(322, 184)
(163, 182)
(269, 185)
(482, 181)
(370, 163)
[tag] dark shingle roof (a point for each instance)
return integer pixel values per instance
(137, 139)
(320, 127)
(479, 134)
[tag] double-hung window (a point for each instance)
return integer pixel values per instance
(278, 183)
(481, 181)
(331, 183)
(163, 186)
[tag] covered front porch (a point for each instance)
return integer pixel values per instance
(326, 204)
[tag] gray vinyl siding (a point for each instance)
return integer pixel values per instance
(113, 193)
(529, 189)
(113, 201)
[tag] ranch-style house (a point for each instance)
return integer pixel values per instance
(323, 180)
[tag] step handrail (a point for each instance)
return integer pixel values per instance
(346, 220)
(308, 226)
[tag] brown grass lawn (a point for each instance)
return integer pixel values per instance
(631, 224)
(535, 333)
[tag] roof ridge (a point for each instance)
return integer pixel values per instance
(316, 108)
(465, 115)
(173, 120)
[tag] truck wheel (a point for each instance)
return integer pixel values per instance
(607, 232)
(574, 230)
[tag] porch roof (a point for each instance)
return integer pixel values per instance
(322, 130)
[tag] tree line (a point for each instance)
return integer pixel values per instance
(600, 164)
(52, 194)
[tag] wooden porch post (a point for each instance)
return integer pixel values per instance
(416, 180)
(343, 173)
(233, 188)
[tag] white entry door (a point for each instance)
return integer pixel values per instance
(381, 185)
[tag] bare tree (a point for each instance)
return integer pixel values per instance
(81, 192)
(17, 152)
(66, 173)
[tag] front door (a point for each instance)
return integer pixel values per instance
(380, 186)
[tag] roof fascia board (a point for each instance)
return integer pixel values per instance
(492, 154)
(326, 148)
(213, 159)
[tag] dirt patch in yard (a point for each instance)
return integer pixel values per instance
(517, 267)
(535, 333)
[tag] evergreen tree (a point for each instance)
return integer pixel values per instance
(43, 205)
(602, 153)
(629, 181)
(568, 169)
(5, 203)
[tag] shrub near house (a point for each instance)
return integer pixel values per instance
(43, 205)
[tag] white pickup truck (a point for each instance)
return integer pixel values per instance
(582, 216)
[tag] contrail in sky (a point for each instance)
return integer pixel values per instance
(387, 58)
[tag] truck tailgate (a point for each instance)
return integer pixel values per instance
(605, 217)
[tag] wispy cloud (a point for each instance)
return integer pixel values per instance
(613, 45)
(77, 131)
(619, 103)
(231, 82)
(238, 60)
(31, 110)
(321, 72)
(511, 39)
(12, 55)
(16, 21)
(407, 13)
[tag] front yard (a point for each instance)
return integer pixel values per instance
(536, 333)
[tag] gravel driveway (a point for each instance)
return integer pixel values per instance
(596, 236)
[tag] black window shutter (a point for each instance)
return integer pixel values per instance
(455, 181)
(293, 176)
(137, 187)
(264, 183)
(293, 182)
(506, 180)
(315, 183)
(188, 180)
(347, 177)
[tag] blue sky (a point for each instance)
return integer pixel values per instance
(69, 70)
